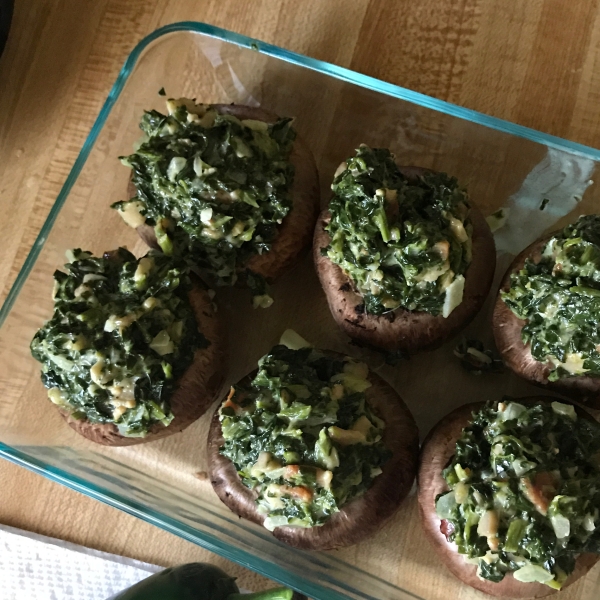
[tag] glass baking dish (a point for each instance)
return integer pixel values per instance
(502, 164)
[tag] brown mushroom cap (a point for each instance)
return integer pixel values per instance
(516, 355)
(195, 390)
(404, 330)
(295, 232)
(437, 451)
(363, 515)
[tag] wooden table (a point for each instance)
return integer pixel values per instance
(536, 63)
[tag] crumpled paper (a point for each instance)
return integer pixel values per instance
(36, 567)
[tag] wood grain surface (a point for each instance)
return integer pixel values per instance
(533, 62)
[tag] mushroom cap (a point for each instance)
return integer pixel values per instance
(295, 232)
(194, 391)
(400, 329)
(361, 516)
(516, 355)
(436, 452)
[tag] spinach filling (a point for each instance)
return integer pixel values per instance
(301, 435)
(559, 298)
(403, 243)
(525, 491)
(122, 333)
(213, 187)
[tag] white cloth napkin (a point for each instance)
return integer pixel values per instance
(36, 567)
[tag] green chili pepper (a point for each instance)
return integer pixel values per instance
(197, 581)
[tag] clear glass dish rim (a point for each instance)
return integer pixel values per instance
(153, 516)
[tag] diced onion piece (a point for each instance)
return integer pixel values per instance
(262, 301)
(443, 249)
(110, 324)
(266, 462)
(341, 168)
(458, 230)
(488, 524)
(93, 277)
(324, 478)
(79, 343)
(434, 273)
(567, 410)
(175, 166)
(238, 228)
(293, 340)
(174, 103)
(162, 343)
(270, 523)
(445, 506)
(131, 214)
(206, 215)
(345, 437)
(144, 267)
(208, 120)
(176, 331)
(484, 358)
(201, 168)
(573, 364)
(454, 295)
(561, 526)
(362, 425)
(337, 391)
(532, 573)
(96, 372)
(511, 411)
(462, 474)
(150, 303)
(588, 523)
(70, 256)
(446, 279)
(497, 219)
(118, 412)
(80, 290)
(241, 149)
(461, 492)
(522, 466)
(56, 396)
(356, 369)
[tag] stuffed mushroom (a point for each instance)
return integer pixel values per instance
(404, 257)
(547, 312)
(132, 352)
(509, 495)
(232, 188)
(314, 447)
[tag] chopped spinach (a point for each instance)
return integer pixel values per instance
(402, 243)
(303, 436)
(559, 298)
(525, 491)
(214, 188)
(122, 333)
(476, 358)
